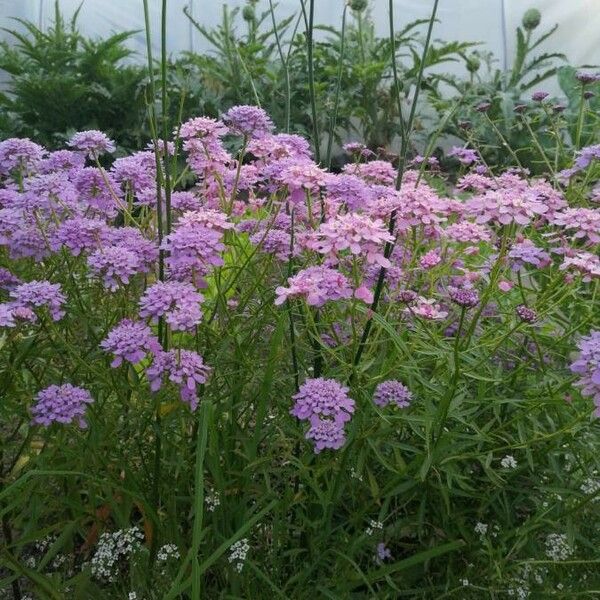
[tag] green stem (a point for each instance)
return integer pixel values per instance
(389, 246)
(338, 86)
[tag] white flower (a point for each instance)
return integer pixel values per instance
(590, 487)
(557, 547)
(238, 552)
(111, 549)
(166, 552)
(508, 462)
(481, 529)
(212, 500)
(373, 526)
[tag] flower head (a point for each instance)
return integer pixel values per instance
(178, 302)
(185, 368)
(92, 143)
(250, 121)
(587, 366)
(317, 284)
(323, 398)
(61, 404)
(38, 294)
(392, 391)
(130, 341)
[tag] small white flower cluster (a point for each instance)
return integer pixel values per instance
(132, 596)
(590, 487)
(508, 462)
(557, 547)
(373, 527)
(166, 552)
(212, 500)
(481, 529)
(355, 474)
(112, 548)
(238, 553)
(465, 582)
(520, 591)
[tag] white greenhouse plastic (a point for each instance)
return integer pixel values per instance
(489, 21)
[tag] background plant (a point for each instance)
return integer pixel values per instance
(62, 82)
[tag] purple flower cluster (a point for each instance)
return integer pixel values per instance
(464, 297)
(178, 302)
(21, 155)
(587, 366)
(327, 407)
(192, 250)
(92, 143)
(61, 404)
(40, 294)
(465, 156)
(526, 252)
(392, 392)
(249, 121)
(185, 368)
(130, 341)
(317, 285)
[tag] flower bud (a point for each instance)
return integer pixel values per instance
(358, 5)
(531, 19)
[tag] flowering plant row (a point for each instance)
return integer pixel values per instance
(331, 348)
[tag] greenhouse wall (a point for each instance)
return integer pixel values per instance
(491, 22)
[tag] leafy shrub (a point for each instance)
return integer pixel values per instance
(62, 82)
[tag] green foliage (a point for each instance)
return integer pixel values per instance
(502, 124)
(62, 82)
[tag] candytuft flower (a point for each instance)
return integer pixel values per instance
(587, 366)
(92, 143)
(185, 368)
(322, 397)
(392, 391)
(250, 121)
(61, 404)
(178, 301)
(317, 285)
(130, 341)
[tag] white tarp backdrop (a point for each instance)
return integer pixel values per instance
(489, 21)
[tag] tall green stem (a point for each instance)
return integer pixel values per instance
(401, 165)
(338, 86)
(310, 21)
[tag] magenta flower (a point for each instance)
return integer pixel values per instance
(584, 221)
(505, 207)
(526, 252)
(465, 156)
(358, 234)
(249, 121)
(61, 404)
(20, 155)
(376, 171)
(202, 128)
(326, 434)
(464, 297)
(116, 265)
(467, 233)
(586, 263)
(79, 234)
(317, 285)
